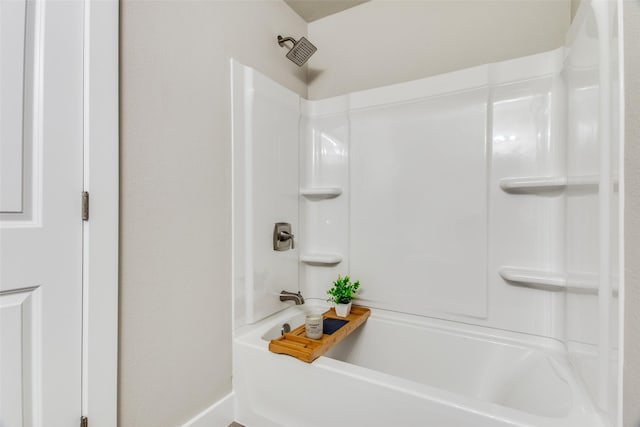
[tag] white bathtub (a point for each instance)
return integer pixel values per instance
(401, 370)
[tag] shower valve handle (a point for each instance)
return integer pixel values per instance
(283, 236)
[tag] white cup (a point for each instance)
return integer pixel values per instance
(313, 326)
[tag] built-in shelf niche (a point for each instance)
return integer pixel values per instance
(321, 192)
(541, 184)
(321, 259)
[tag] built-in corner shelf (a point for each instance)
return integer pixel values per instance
(541, 184)
(321, 192)
(548, 280)
(321, 259)
(533, 184)
(534, 278)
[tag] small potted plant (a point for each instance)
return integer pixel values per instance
(342, 293)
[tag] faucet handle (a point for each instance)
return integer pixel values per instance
(283, 236)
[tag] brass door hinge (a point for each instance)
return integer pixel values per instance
(85, 206)
(84, 422)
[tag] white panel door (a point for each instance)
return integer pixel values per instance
(41, 122)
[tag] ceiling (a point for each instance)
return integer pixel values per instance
(311, 10)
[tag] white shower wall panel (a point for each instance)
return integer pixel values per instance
(413, 205)
(324, 163)
(592, 226)
(419, 204)
(265, 181)
(416, 210)
(526, 230)
(429, 227)
(583, 156)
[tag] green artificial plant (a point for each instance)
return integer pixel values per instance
(343, 291)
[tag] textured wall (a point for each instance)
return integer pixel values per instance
(389, 41)
(175, 295)
(632, 215)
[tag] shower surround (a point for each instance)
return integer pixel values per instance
(478, 206)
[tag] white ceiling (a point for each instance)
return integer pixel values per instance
(311, 10)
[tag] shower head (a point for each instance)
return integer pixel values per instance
(301, 50)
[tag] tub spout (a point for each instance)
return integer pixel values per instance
(291, 296)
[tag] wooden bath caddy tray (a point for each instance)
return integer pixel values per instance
(296, 344)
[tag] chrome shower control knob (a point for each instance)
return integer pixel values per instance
(283, 238)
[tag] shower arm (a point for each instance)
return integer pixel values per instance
(281, 40)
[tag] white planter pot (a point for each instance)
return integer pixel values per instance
(343, 310)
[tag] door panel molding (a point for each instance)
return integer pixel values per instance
(21, 87)
(20, 320)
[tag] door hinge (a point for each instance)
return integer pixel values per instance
(85, 206)
(84, 422)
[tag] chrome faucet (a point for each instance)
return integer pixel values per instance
(290, 296)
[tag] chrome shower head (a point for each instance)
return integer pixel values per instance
(301, 50)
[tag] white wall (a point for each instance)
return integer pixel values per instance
(175, 296)
(383, 42)
(631, 399)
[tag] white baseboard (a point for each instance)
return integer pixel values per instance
(220, 414)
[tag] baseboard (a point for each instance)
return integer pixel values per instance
(220, 414)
